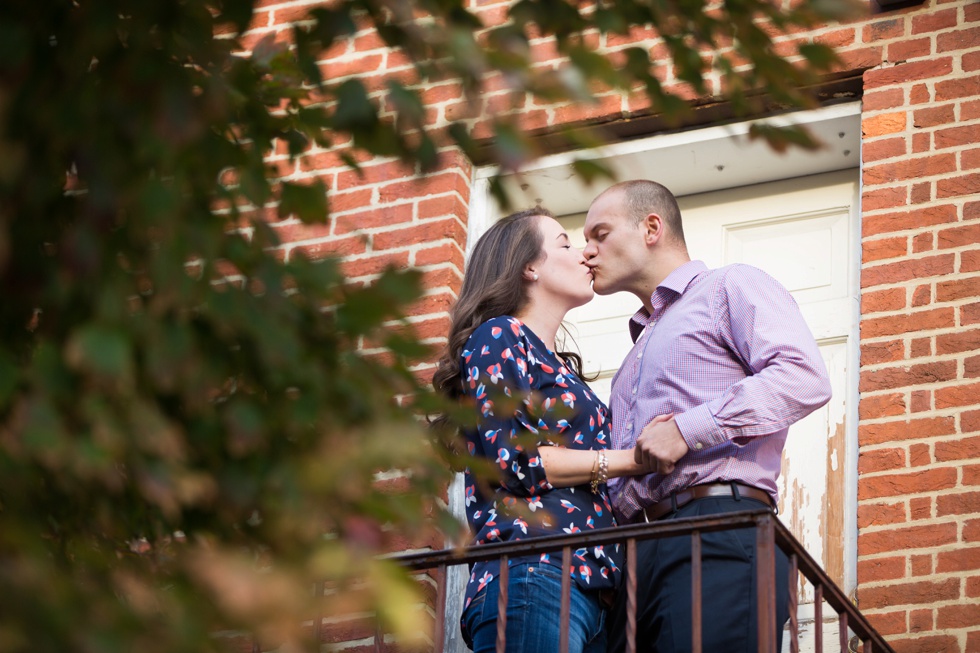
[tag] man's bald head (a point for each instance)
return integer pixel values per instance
(642, 197)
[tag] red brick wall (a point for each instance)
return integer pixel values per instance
(919, 433)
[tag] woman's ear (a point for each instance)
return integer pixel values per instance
(530, 274)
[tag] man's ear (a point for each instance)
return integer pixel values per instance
(653, 229)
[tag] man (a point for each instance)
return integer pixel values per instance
(728, 355)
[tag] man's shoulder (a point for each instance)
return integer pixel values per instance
(740, 283)
(728, 276)
(737, 270)
(742, 275)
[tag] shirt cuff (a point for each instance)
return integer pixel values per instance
(699, 429)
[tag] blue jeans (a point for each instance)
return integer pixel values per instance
(533, 617)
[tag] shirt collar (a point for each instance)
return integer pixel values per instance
(665, 294)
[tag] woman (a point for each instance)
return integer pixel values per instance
(540, 426)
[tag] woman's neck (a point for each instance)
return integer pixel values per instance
(543, 322)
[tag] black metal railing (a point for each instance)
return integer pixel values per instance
(770, 533)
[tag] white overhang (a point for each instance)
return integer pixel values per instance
(688, 162)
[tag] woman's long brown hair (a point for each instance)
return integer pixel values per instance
(493, 285)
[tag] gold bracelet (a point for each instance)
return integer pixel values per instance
(600, 471)
(595, 472)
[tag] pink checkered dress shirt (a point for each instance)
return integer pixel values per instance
(727, 351)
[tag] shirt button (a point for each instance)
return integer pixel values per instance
(698, 445)
(634, 389)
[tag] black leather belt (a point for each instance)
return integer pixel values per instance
(683, 497)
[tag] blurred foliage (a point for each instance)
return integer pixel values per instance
(189, 430)
(745, 48)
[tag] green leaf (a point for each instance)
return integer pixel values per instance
(9, 379)
(307, 51)
(15, 42)
(253, 181)
(101, 350)
(308, 202)
(838, 10)
(512, 146)
(351, 162)
(590, 170)
(462, 137)
(594, 65)
(499, 193)
(332, 23)
(237, 12)
(609, 20)
(297, 142)
(246, 424)
(820, 55)
(44, 431)
(406, 102)
(354, 109)
(781, 138)
(267, 49)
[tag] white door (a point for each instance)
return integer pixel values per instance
(802, 232)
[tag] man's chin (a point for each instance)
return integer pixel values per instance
(599, 289)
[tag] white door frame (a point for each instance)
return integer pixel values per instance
(697, 161)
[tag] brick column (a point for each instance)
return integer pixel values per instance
(919, 466)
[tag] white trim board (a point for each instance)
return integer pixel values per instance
(688, 162)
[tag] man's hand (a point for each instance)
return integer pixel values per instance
(660, 445)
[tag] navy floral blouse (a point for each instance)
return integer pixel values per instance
(541, 402)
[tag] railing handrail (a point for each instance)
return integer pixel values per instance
(782, 537)
(832, 594)
(547, 543)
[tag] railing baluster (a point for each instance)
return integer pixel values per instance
(794, 605)
(378, 635)
(439, 634)
(765, 582)
(502, 579)
(843, 632)
(631, 595)
(867, 646)
(818, 617)
(696, 592)
(566, 598)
